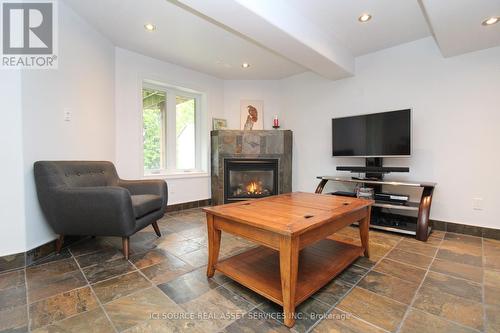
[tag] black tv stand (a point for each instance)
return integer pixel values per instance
(365, 178)
(373, 169)
(383, 215)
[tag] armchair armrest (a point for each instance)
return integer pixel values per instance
(147, 186)
(104, 211)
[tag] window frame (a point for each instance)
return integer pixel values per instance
(169, 145)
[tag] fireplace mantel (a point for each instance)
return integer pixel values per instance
(230, 144)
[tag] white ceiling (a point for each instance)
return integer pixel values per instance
(280, 38)
(457, 25)
(182, 38)
(394, 22)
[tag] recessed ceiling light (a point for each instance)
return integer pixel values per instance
(149, 27)
(491, 20)
(245, 65)
(364, 18)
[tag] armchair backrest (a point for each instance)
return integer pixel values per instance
(50, 174)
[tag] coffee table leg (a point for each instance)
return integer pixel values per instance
(289, 265)
(364, 228)
(213, 245)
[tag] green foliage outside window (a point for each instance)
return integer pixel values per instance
(153, 105)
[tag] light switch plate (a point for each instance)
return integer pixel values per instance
(67, 114)
(477, 203)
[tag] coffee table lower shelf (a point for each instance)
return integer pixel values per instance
(259, 270)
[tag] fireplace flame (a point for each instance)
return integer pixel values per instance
(253, 188)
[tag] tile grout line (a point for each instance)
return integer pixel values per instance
(353, 286)
(95, 295)
(410, 306)
(80, 287)
(27, 300)
(485, 318)
(45, 298)
(416, 293)
(362, 320)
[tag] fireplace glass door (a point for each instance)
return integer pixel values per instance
(249, 179)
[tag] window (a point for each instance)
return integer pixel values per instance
(171, 130)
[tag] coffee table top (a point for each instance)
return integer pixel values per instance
(290, 213)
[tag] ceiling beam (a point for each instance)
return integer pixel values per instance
(280, 28)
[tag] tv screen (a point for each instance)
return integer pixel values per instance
(373, 135)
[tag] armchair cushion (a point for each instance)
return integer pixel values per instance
(144, 204)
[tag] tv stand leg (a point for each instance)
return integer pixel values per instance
(321, 186)
(423, 214)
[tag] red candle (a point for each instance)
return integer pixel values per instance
(276, 122)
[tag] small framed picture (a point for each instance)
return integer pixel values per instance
(218, 124)
(252, 113)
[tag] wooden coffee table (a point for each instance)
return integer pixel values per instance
(296, 258)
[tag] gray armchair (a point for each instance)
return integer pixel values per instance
(88, 198)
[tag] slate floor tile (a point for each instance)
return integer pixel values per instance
(222, 305)
(61, 306)
(492, 319)
(458, 287)
(90, 321)
(107, 269)
(188, 286)
(381, 311)
(308, 313)
(120, 286)
(410, 258)
(460, 253)
(389, 286)
(464, 271)
(53, 278)
(14, 319)
(256, 321)
(451, 307)
(332, 292)
(338, 321)
(463, 239)
(89, 245)
(166, 270)
(352, 274)
(418, 322)
(131, 310)
(400, 270)
(420, 248)
(99, 257)
(249, 295)
(149, 258)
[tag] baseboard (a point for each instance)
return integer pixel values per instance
(466, 229)
(188, 205)
(44, 252)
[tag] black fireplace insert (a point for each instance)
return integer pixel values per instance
(246, 179)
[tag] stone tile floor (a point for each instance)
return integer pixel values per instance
(449, 284)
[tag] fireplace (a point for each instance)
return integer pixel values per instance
(250, 179)
(250, 164)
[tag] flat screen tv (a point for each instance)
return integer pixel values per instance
(385, 134)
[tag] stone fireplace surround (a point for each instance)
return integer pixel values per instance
(235, 144)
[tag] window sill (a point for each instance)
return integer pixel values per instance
(177, 175)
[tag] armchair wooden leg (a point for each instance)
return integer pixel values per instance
(125, 247)
(157, 230)
(59, 243)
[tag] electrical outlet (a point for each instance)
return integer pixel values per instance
(67, 114)
(477, 203)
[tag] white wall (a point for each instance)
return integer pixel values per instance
(456, 122)
(12, 225)
(268, 91)
(84, 84)
(131, 69)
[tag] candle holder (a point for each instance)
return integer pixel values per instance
(276, 122)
